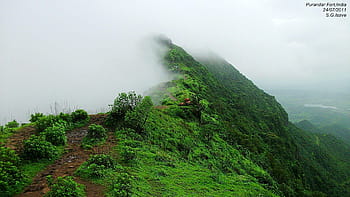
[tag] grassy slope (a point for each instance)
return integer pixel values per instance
(164, 167)
(252, 121)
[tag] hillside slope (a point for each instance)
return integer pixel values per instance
(250, 120)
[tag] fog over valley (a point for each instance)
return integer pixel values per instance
(64, 55)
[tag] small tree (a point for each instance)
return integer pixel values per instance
(136, 119)
(125, 102)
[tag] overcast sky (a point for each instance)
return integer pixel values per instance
(81, 53)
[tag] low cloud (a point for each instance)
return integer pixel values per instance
(84, 52)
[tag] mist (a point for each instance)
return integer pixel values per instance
(81, 54)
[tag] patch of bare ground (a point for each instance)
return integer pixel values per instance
(15, 140)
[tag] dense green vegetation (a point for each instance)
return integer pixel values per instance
(251, 121)
(97, 134)
(65, 187)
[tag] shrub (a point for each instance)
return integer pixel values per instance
(97, 166)
(102, 160)
(12, 124)
(121, 186)
(96, 134)
(10, 175)
(65, 117)
(123, 103)
(56, 135)
(35, 117)
(36, 148)
(96, 131)
(9, 155)
(65, 187)
(79, 115)
(136, 119)
(127, 153)
(47, 121)
(94, 171)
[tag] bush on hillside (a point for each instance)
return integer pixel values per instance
(136, 119)
(12, 124)
(36, 148)
(121, 186)
(79, 115)
(102, 160)
(56, 134)
(97, 166)
(122, 104)
(96, 132)
(47, 121)
(35, 117)
(64, 187)
(10, 175)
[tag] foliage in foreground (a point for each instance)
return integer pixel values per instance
(36, 148)
(64, 187)
(10, 176)
(97, 166)
(56, 134)
(97, 134)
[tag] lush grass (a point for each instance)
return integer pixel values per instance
(193, 180)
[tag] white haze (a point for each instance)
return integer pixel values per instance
(80, 54)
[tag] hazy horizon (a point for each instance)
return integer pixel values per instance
(82, 53)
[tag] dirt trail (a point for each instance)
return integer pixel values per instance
(15, 140)
(70, 161)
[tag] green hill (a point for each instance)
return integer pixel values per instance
(212, 132)
(252, 121)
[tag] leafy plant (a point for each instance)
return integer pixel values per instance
(97, 166)
(65, 117)
(121, 186)
(35, 117)
(79, 115)
(47, 121)
(36, 148)
(122, 104)
(12, 124)
(64, 187)
(10, 174)
(96, 132)
(136, 119)
(127, 153)
(56, 134)
(102, 160)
